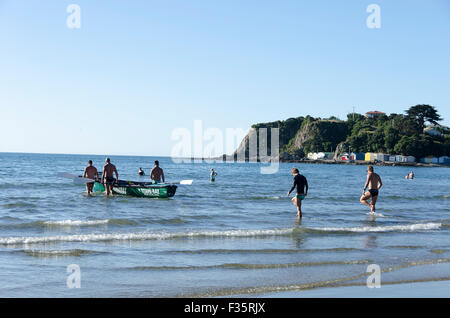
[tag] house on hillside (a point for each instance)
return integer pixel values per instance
(374, 114)
(432, 131)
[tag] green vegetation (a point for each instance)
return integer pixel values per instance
(395, 134)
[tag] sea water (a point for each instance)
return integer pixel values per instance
(236, 236)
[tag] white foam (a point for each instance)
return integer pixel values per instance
(76, 222)
(140, 236)
(406, 228)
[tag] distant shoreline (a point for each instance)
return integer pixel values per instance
(331, 162)
(366, 163)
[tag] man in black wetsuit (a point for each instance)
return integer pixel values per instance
(300, 183)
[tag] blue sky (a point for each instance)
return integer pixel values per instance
(137, 70)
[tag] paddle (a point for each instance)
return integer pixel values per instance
(183, 182)
(75, 178)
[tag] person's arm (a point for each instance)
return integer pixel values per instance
(380, 183)
(367, 184)
(117, 174)
(162, 175)
(103, 176)
(292, 188)
(96, 172)
(84, 173)
(151, 174)
(306, 184)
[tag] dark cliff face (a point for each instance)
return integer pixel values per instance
(298, 136)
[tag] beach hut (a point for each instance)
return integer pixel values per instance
(357, 156)
(370, 156)
(444, 160)
(410, 159)
(328, 155)
(382, 157)
(345, 157)
(435, 160)
(426, 160)
(399, 158)
(392, 158)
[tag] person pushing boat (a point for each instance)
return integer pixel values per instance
(108, 176)
(157, 173)
(90, 172)
(374, 184)
(301, 183)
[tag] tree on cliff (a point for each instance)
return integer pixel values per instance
(424, 113)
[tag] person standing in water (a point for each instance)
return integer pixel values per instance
(141, 172)
(300, 183)
(90, 172)
(212, 176)
(157, 173)
(374, 184)
(108, 176)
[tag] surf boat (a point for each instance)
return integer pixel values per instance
(140, 189)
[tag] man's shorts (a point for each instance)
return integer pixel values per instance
(300, 196)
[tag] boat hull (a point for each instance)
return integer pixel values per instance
(142, 190)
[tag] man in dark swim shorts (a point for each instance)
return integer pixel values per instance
(374, 184)
(108, 176)
(300, 183)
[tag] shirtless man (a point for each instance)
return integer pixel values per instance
(108, 176)
(300, 183)
(157, 173)
(374, 183)
(90, 172)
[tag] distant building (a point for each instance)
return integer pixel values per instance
(432, 131)
(444, 160)
(357, 156)
(370, 156)
(374, 114)
(392, 158)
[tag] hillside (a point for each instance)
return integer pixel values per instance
(394, 134)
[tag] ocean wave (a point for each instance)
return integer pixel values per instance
(75, 222)
(264, 251)
(59, 253)
(391, 228)
(249, 266)
(142, 236)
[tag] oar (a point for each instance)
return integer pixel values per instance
(75, 178)
(183, 182)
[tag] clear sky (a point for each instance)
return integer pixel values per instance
(137, 70)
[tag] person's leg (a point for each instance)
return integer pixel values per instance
(364, 199)
(299, 208)
(374, 201)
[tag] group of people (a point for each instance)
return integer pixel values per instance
(373, 182)
(109, 170)
(373, 185)
(410, 175)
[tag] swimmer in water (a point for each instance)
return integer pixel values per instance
(300, 183)
(212, 176)
(374, 183)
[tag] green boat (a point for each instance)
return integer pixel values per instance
(140, 189)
